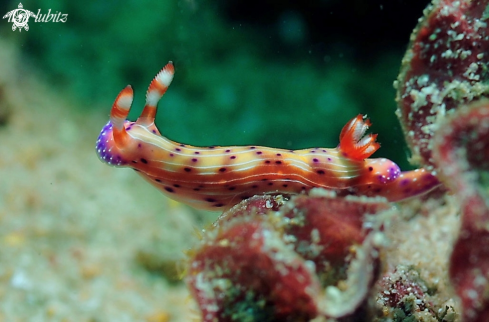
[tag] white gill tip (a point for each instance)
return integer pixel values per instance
(125, 101)
(165, 77)
(153, 97)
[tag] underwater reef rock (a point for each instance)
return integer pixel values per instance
(442, 90)
(462, 155)
(445, 66)
(310, 258)
(402, 295)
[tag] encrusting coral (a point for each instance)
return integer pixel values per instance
(444, 67)
(462, 155)
(443, 76)
(311, 258)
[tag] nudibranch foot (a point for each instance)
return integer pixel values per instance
(408, 184)
(216, 178)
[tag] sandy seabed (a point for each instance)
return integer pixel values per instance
(81, 241)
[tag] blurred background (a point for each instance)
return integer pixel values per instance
(286, 74)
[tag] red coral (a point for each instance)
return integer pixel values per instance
(283, 266)
(326, 228)
(445, 66)
(462, 155)
(247, 271)
(403, 289)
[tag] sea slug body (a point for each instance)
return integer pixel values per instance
(217, 178)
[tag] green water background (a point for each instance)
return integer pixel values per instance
(285, 74)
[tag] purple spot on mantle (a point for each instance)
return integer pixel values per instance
(394, 172)
(404, 182)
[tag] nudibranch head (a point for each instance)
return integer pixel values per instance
(119, 140)
(106, 149)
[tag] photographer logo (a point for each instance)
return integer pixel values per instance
(20, 16)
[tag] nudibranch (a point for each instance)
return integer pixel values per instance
(217, 178)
